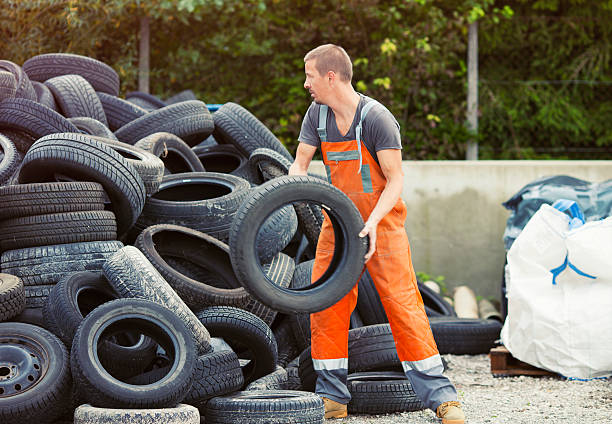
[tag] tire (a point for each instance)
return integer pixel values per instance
(218, 285)
(203, 201)
(32, 316)
(269, 406)
(33, 118)
(12, 296)
(248, 336)
(381, 392)
(223, 158)
(44, 95)
(82, 158)
(21, 139)
(48, 264)
(44, 392)
(179, 414)
(293, 376)
(45, 66)
(119, 111)
(36, 295)
(276, 233)
(8, 85)
(181, 97)
(92, 126)
(76, 97)
(236, 125)
(287, 345)
(189, 120)
(47, 198)
(145, 100)
(57, 228)
(464, 336)
(350, 249)
(435, 303)
(148, 166)
(99, 388)
(300, 323)
(10, 160)
(23, 85)
(132, 275)
(176, 155)
(72, 298)
(276, 380)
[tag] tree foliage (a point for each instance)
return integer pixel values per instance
(409, 54)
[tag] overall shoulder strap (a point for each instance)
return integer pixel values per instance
(322, 128)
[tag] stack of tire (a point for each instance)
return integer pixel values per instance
(118, 251)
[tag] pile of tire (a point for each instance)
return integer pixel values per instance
(153, 263)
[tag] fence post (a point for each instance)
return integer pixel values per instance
(472, 91)
(143, 55)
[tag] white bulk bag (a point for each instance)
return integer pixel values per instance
(559, 290)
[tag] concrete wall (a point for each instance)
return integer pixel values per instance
(455, 218)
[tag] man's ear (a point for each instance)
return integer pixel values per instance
(331, 76)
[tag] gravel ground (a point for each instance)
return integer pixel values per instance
(522, 399)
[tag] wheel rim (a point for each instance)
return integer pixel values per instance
(24, 362)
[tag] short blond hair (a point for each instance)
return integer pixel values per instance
(330, 57)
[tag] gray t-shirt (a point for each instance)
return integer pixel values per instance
(380, 130)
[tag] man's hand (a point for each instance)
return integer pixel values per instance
(369, 229)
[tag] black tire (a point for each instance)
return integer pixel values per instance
(21, 139)
(57, 228)
(348, 256)
(217, 284)
(145, 100)
(37, 387)
(189, 120)
(33, 118)
(119, 111)
(266, 164)
(36, 295)
(293, 375)
(247, 335)
(72, 298)
(465, 336)
(176, 155)
(204, 201)
(32, 316)
(42, 198)
(132, 275)
(276, 380)
(76, 97)
(92, 126)
(8, 85)
(216, 374)
(82, 158)
(435, 303)
(381, 392)
(23, 87)
(300, 322)
(276, 233)
(236, 125)
(101, 76)
(223, 158)
(269, 406)
(12, 296)
(287, 345)
(179, 414)
(100, 388)
(149, 167)
(181, 97)
(48, 264)
(9, 161)
(44, 95)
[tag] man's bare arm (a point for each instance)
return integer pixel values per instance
(303, 157)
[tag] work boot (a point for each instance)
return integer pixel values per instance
(451, 413)
(334, 409)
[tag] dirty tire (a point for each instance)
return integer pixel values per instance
(269, 406)
(216, 285)
(350, 248)
(44, 198)
(99, 388)
(381, 392)
(12, 296)
(464, 336)
(101, 76)
(57, 228)
(223, 158)
(33, 118)
(92, 126)
(188, 120)
(81, 157)
(119, 111)
(132, 275)
(287, 345)
(236, 125)
(176, 155)
(48, 264)
(249, 337)
(276, 380)
(9, 161)
(76, 97)
(300, 322)
(179, 414)
(45, 397)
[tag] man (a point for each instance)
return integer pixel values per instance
(361, 150)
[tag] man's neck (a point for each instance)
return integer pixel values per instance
(345, 103)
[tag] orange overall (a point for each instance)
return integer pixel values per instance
(352, 169)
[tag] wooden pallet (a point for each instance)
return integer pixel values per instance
(504, 364)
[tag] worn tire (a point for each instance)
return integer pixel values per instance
(33, 118)
(145, 100)
(223, 158)
(465, 336)
(92, 126)
(44, 95)
(12, 296)
(176, 155)
(9, 161)
(8, 85)
(132, 275)
(381, 392)
(276, 380)
(23, 85)
(76, 97)
(119, 111)
(179, 414)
